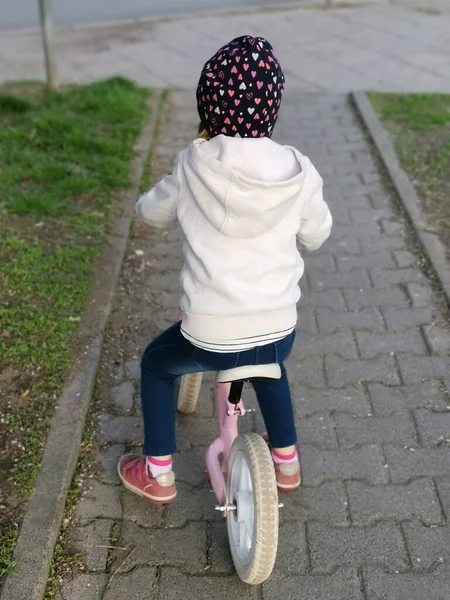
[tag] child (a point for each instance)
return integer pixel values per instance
(242, 201)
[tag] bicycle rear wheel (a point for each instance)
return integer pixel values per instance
(189, 392)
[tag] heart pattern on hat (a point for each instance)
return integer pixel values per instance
(248, 83)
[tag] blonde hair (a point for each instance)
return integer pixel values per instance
(203, 133)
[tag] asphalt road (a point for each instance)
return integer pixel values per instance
(24, 13)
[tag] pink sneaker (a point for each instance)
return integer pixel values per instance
(288, 476)
(132, 471)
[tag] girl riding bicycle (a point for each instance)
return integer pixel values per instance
(244, 203)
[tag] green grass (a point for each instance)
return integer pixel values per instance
(68, 144)
(7, 543)
(46, 294)
(417, 112)
(63, 155)
(420, 127)
(64, 563)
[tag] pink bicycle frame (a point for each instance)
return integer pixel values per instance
(219, 451)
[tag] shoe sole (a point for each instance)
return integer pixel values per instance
(142, 494)
(288, 487)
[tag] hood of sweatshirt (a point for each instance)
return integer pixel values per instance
(244, 186)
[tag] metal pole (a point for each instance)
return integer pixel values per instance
(47, 42)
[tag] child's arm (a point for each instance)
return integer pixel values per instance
(316, 221)
(158, 207)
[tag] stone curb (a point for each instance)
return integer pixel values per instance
(42, 520)
(205, 14)
(405, 190)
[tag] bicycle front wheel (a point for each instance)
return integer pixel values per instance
(253, 524)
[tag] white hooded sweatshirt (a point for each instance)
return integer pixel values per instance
(243, 204)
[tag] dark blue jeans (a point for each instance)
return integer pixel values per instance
(170, 355)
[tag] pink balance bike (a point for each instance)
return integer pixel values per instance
(241, 472)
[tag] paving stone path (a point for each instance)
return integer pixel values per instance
(370, 376)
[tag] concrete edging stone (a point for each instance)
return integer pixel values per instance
(405, 190)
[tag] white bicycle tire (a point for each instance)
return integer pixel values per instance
(253, 565)
(189, 392)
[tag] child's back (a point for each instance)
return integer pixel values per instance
(242, 204)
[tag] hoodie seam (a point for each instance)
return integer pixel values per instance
(225, 221)
(178, 175)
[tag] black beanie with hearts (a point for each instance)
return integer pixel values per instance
(240, 89)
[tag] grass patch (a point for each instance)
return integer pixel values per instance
(416, 112)
(68, 144)
(63, 155)
(7, 544)
(420, 127)
(65, 564)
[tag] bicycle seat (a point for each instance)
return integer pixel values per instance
(272, 371)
